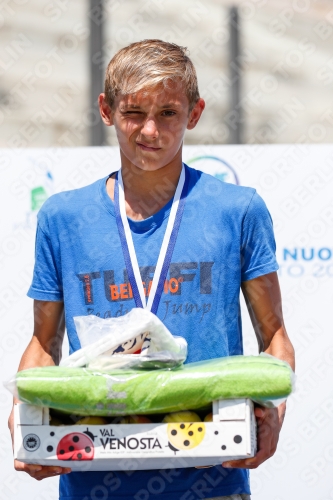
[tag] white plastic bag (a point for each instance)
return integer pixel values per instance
(137, 339)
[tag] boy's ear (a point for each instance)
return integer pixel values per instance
(196, 113)
(105, 110)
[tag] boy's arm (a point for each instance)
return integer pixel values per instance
(44, 349)
(263, 299)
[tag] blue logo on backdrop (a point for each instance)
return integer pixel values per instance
(302, 254)
(215, 166)
(307, 261)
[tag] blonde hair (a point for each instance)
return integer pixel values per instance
(147, 64)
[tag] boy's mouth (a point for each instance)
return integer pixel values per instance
(146, 147)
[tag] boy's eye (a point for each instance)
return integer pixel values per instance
(167, 112)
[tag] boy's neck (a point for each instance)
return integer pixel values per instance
(146, 192)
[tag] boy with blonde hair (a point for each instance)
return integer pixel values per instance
(216, 239)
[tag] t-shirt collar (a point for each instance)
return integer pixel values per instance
(136, 226)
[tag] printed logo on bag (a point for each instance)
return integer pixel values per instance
(215, 166)
(31, 442)
(185, 436)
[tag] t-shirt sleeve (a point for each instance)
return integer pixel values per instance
(46, 283)
(258, 242)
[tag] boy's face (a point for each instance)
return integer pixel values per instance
(151, 124)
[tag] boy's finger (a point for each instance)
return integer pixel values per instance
(39, 471)
(21, 466)
(50, 472)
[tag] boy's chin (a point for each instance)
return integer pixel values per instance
(149, 162)
(149, 166)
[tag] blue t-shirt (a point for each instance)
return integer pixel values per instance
(225, 237)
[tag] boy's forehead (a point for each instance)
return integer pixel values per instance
(158, 96)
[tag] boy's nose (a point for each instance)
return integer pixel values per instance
(149, 128)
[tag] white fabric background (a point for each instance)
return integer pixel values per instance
(296, 182)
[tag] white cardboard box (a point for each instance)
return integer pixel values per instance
(231, 435)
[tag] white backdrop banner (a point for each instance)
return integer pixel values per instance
(296, 182)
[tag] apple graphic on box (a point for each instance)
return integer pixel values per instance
(92, 421)
(181, 416)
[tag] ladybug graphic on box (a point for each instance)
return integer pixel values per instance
(76, 446)
(185, 436)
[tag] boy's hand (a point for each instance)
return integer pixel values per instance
(268, 429)
(40, 472)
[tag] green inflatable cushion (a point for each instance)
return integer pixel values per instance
(124, 392)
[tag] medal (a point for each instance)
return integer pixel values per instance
(167, 247)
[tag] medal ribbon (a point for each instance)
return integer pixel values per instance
(167, 247)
